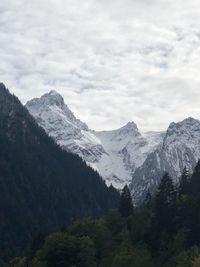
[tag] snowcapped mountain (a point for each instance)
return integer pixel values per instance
(126, 150)
(179, 148)
(122, 156)
(114, 154)
(60, 123)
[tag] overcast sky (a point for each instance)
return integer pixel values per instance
(113, 61)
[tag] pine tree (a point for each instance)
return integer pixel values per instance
(194, 207)
(183, 211)
(184, 182)
(126, 205)
(194, 188)
(165, 207)
(36, 244)
(42, 186)
(148, 199)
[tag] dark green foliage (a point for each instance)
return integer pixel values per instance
(125, 204)
(165, 208)
(184, 201)
(90, 243)
(35, 245)
(192, 209)
(184, 183)
(154, 235)
(42, 187)
(62, 249)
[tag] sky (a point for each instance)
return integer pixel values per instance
(113, 61)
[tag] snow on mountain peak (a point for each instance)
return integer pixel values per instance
(123, 154)
(186, 130)
(114, 154)
(180, 148)
(132, 126)
(124, 134)
(53, 92)
(51, 108)
(129, 128)
(53, 98)
(188, 123)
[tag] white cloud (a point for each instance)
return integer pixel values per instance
(113, 61)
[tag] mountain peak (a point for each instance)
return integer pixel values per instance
(53, 92)
(53, 98)
(2, 86)
(188, 129)
(130, 127)
(187, 124)
(191, 122)
(180, 148)
(3, 90)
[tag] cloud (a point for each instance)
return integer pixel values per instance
(113, 61)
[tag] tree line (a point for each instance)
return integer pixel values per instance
(42, 187)
(163, 231)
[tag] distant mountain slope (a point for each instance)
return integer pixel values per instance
(126, 150)
(42, 187)
(180, 148)
(60, 123)
(122, 156)
(114, 154)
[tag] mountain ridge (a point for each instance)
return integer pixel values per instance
(125, 155)
(108, 152)
(180, 148)
(42, 187)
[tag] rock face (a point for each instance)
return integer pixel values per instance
(122, 156)
(126, 150)
(60, 123)
(114, 154)
(180, 148)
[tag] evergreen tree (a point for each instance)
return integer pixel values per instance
(183, 212)
(194, 187)
(184, 182)
(125, 205)
(117, 240)
(42, 186)
(194, 207)
(148, 199)
(166, 203)
(164, 221)
(36, 244)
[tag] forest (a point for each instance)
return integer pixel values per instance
(163, 231)
(42, 187)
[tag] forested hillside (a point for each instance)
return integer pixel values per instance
(42, 187)
(163, 232)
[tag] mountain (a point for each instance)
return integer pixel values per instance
(114, 154)
(126, 149)
(180, 148)
(122, 156)
(60, 123)
(42, 187)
